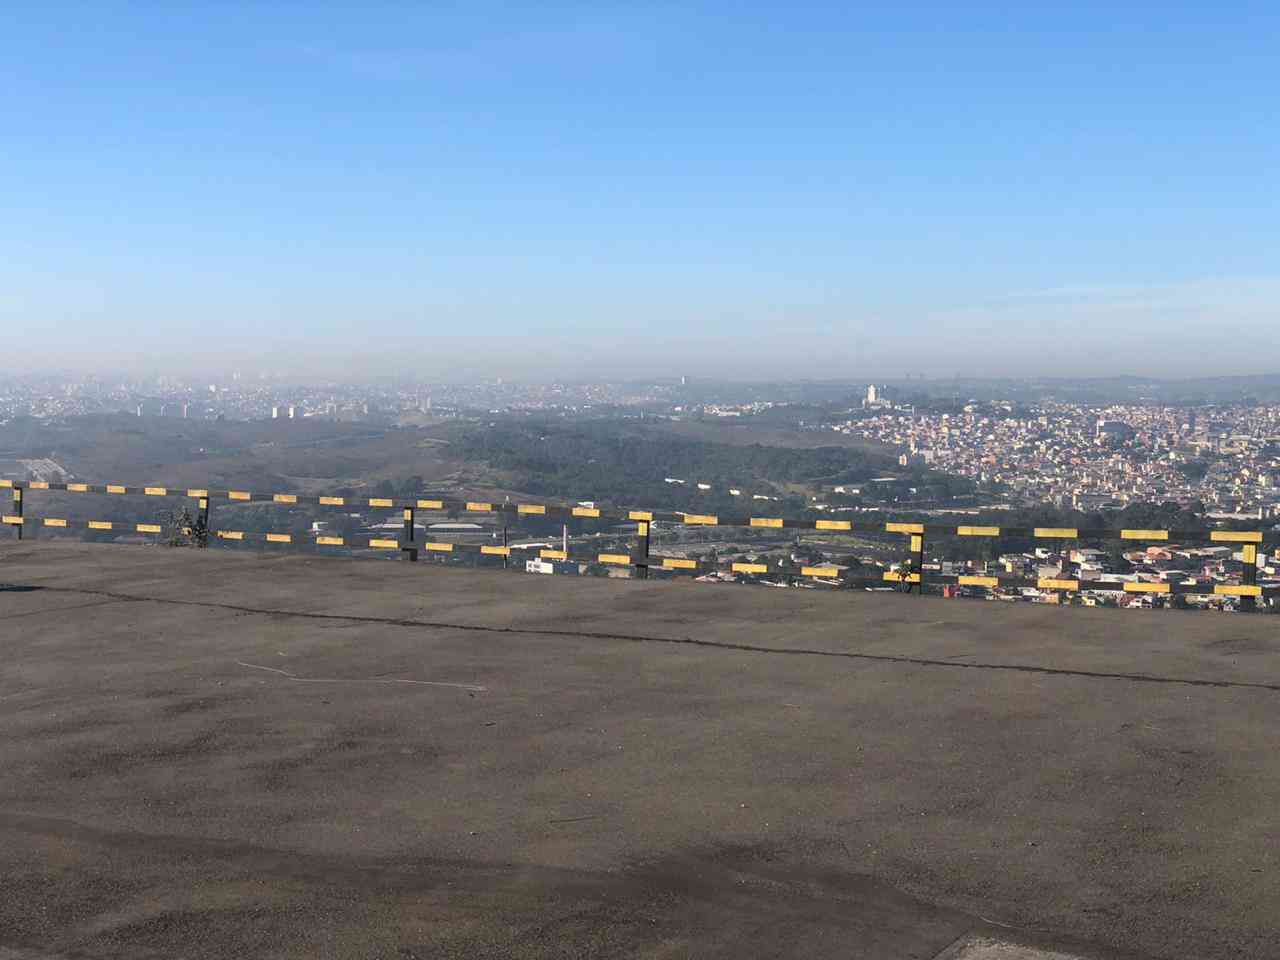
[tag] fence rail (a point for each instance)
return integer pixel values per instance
(911, 575)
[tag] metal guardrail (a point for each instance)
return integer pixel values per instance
(913, 574)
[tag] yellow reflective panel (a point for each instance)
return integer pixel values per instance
(1237, 590)
(904, 527)
(1236, 536)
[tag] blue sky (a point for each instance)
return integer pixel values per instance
(740, 189)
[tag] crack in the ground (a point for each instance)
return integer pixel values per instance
(78, 606)
(689, 641)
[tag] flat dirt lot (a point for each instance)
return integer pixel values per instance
(215, 754)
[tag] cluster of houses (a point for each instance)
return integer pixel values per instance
(1203, 566)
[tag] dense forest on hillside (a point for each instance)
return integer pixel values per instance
(625, 463)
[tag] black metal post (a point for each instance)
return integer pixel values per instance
(17, 508)
(642, 536)
(408, 547)
(1249, 577)
(917, 549)
(203, 539)
(506, 557)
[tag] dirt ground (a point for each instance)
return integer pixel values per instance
(216, 754)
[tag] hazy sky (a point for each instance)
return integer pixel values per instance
(741, 188)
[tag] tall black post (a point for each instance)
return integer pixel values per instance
(203, 538)
(917, 549)
(409, 548)
(17, 508)
(642, 536)
(1249, 577)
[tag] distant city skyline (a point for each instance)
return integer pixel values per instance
(749, 191)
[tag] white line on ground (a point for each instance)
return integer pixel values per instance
(984, 948)
(426, 683)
